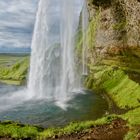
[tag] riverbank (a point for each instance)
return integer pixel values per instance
(122, 90)
(116, 130)
(107, 127)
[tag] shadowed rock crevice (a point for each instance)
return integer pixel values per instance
(103, 3)
(118, 25)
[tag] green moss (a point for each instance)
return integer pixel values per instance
(15, 73)
(17, 131)
(117, 84)
(133, 121)
(131, 135)
(90, 36)
(128, 60)
(103, 3)
(91, 33)
(119, 26)
(133, 117)
(79, 42)
(11, 82)
(76, 127)
(124, 92)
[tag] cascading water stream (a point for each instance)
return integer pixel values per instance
(52, 72)
(84, 31)
(44, 66)
(53, 96)
(67, 45)
(52, 66)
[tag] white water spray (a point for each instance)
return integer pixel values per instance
(41, 75)
(67, 44)
(52, 66)
(52, 73)
(84, 31)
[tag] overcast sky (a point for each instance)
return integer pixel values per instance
(17, 18)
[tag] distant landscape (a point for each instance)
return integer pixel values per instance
(14, 50)
(14, 67)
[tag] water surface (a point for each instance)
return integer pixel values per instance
(84, 106)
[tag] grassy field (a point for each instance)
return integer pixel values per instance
(17, 131)
(13, 68)
(122, 88)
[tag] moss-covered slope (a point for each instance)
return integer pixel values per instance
(19, 131)
(14, 70)
(117, 84)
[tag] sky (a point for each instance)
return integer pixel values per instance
(17, 18)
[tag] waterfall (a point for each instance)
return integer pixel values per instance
(44, 76)
(67, 45)
(84, 31)
(52, 72)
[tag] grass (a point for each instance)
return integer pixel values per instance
(117, 84)
(9, 59)
(119, 26)
(19, 131)
(13, 69)
(131, 135)
(76, 127)
(92, 28)
(90, 36)
(133, 117)
(127, 63)
(133, 124)
(109, 76)
(133, 121)
(124, 91)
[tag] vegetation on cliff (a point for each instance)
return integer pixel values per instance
(114, 68)
(20, 131)
(114, 56)
(13, 69)
(117, 84)
(121, 89)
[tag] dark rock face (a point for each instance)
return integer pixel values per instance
(118, 26)
(103, 3)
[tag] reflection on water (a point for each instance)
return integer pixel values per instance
(15, 106)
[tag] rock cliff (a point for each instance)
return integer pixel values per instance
(117, 26)
(113, 42)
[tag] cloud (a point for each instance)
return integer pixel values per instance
(17, 19)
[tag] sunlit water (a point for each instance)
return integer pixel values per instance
(89, 106)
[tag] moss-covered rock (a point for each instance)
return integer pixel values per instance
(118, 26)
(103, 3)
(18, 131)
(117, 84)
